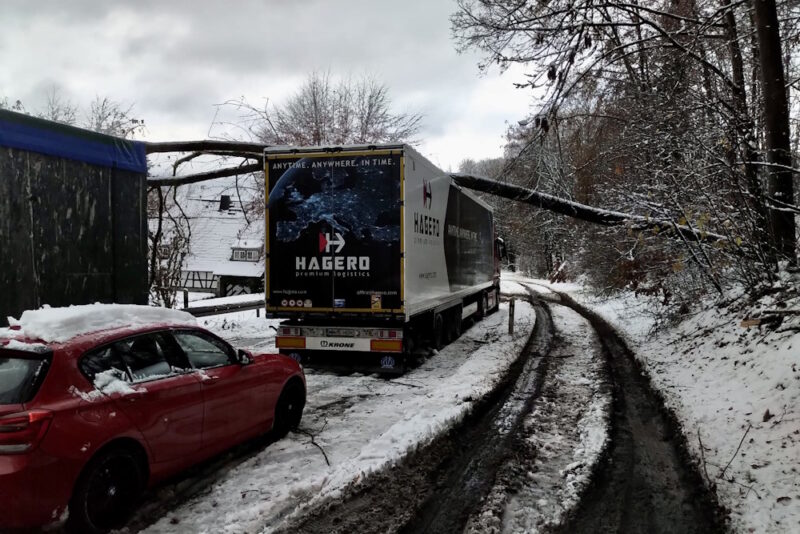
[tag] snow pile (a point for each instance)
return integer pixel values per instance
(60, 324)
(235, 299)
(244, 329)
(736, 389)
(109, 383)
(105, 383)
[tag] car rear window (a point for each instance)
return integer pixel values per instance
(20, 377)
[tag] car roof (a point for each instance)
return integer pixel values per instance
(93, 339)
(79, 344)
(90, 325)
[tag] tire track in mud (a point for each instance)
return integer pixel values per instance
(437, 487)
(560, 440)
(646, 482)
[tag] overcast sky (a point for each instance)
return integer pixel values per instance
(174, 60)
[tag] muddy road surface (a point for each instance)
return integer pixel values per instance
(646, 483)
(641, 482)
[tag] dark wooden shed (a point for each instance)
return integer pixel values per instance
(73, 223)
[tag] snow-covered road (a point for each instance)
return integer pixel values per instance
(363, 424)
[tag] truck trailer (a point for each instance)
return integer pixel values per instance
(372, 253)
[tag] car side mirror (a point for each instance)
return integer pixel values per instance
(244, 357)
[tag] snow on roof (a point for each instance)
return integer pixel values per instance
(249, 243)
(60, 324)
(215, 233)
(213, 237)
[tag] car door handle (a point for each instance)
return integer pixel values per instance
(134, 395)
(210, 379)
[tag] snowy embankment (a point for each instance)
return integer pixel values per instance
(733, 388)
(362, 423)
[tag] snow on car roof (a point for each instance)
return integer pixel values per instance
(61, 324)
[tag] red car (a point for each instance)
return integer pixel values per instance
(88, 423)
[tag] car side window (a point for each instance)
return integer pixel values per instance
(104, 360)
(149, 356)
(204, 351)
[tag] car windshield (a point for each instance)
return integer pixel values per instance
(19, 378)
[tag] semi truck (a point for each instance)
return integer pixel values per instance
(372, 254)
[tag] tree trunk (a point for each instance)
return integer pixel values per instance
(776, 126)
(744, 126)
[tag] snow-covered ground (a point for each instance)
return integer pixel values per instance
(735, 388)
(363, 424)
(209, 300)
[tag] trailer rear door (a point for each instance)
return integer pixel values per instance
(334, 237)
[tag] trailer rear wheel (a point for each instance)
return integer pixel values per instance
(456, 331)
(438, 332)
(483, 305)
(496, 301)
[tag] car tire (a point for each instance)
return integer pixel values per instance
(107, 492)
(289, 409)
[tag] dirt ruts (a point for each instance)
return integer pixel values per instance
(645, 484)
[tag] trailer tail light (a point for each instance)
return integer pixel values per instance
(390, 334)
(290, 342)
(386, 345)
(289, 331)
(22, 432)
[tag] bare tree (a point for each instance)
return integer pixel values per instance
(169, 236)
(328, 112)
(644, 108)
(110, 117)
(58, 108)
(104, 115)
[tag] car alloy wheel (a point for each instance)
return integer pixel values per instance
(107, 492)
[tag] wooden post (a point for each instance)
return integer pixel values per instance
(511, 316)
(185, 298)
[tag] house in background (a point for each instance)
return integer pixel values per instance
(226, 253)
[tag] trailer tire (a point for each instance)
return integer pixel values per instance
(438, 332)
(496, 301)
(456, 332)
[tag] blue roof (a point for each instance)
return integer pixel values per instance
(47, 137)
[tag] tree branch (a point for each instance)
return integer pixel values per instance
(162, 181)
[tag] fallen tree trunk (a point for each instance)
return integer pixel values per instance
(552, 203)
(582, 211)
(206, 145)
